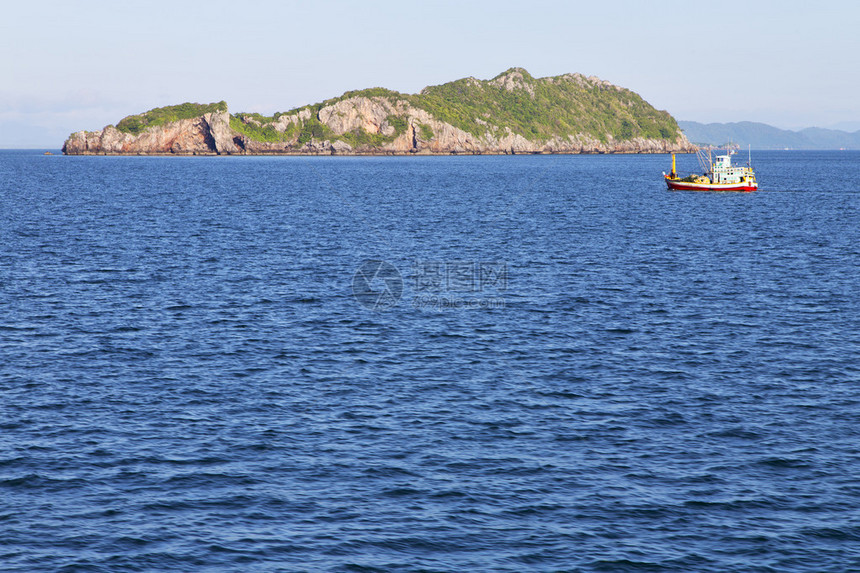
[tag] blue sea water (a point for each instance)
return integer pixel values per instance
(552, 364)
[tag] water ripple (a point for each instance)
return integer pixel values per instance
(188, 382)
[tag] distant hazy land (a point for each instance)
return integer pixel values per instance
(763, 136)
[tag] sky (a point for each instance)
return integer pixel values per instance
(67, 66)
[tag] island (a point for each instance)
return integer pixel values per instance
(513, 113)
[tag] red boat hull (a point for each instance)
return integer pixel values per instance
(676, 185)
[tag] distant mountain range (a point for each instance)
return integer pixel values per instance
(763, 136)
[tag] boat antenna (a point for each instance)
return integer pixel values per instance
(749, 150)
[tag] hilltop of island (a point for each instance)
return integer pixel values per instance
(511, 113)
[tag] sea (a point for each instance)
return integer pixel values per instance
(434, 364)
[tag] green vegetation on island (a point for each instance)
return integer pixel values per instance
(260, 128)
(546, 108)
(134, 124)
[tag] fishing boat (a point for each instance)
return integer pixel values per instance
(719, 175)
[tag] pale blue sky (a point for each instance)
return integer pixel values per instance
(67, 65)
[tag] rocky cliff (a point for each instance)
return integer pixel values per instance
(512, 113)
(208, 134)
